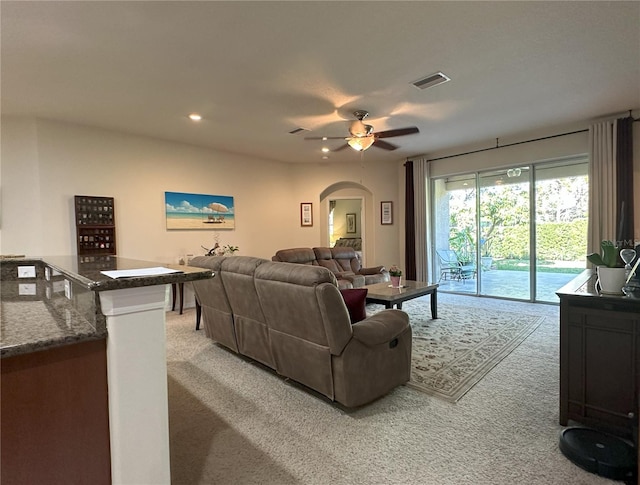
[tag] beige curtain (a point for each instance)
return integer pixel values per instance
(602, 184)
(421, 198)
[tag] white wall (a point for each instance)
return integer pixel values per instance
(46, 163)
(20, 188)
(381, 244)
(563, 146)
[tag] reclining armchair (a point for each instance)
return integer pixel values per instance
(344, 259)
(343, 262)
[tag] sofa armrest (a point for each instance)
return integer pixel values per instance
(381, 327)
(373, 270)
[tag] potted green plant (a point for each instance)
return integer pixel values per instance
(396, 276)
(486, 259)
(609, 268)
(609, 256)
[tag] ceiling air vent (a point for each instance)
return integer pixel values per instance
(432, 80)
(297, 130)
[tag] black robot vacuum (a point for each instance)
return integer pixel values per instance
(600, 453)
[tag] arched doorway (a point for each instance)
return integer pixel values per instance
(345, 211)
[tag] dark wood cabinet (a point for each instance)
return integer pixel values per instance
(95, 225)
(55, 416)
(599, 357)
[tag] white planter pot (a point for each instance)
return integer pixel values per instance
(611, 280)
(486, 262)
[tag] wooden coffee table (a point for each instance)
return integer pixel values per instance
(384, 294)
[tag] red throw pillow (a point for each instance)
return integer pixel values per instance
(355, 299)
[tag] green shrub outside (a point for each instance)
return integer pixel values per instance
(564, 241)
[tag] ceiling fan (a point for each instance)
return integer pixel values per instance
(363, 136)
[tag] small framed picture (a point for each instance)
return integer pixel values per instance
(351, 223)
(386, 212)
(306, 214)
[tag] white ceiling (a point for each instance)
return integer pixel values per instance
(257, 70)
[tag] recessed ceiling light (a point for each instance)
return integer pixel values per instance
(324, 157)
(195, 117)
(325, 149)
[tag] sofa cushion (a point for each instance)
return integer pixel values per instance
(216, 310)
(296, 255)
(331, 265)
(356, 301)
(237, 275)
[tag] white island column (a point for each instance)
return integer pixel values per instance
(137, 379)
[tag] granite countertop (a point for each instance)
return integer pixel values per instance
(33, 322)
(88, 271)
(37, 313)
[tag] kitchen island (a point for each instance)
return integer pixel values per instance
(84, 385)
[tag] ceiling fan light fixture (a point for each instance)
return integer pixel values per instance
(361, 143)
(359, 129)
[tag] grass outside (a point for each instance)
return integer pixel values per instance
(568, 267)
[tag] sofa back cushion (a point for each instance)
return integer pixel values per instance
(216, 310)
(307, 319)
(326, 258)
(296, 255)
(331, 265)
(346, 258)
(251, 330)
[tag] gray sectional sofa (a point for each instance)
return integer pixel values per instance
(293, 318)
(342, 261)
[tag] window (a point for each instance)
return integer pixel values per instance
(520, 231)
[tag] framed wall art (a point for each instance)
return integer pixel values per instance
(199, 211)
(306, 214)
(386, 212)
(351, 223)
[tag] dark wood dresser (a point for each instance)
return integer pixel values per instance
(599, 357)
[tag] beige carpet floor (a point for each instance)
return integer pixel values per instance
(233, 422)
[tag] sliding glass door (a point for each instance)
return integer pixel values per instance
(518, 232)
(455, 221)
(504, 233)
(562, 205)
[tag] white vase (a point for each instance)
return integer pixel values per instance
(611, 280)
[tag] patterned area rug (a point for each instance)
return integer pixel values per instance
(454, 352)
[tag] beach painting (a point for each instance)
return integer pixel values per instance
(199, 211)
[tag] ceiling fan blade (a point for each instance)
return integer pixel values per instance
(399, 132)
(385, 145)
(342, 147)
(324, 137)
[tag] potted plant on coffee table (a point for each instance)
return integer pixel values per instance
(396, 276)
